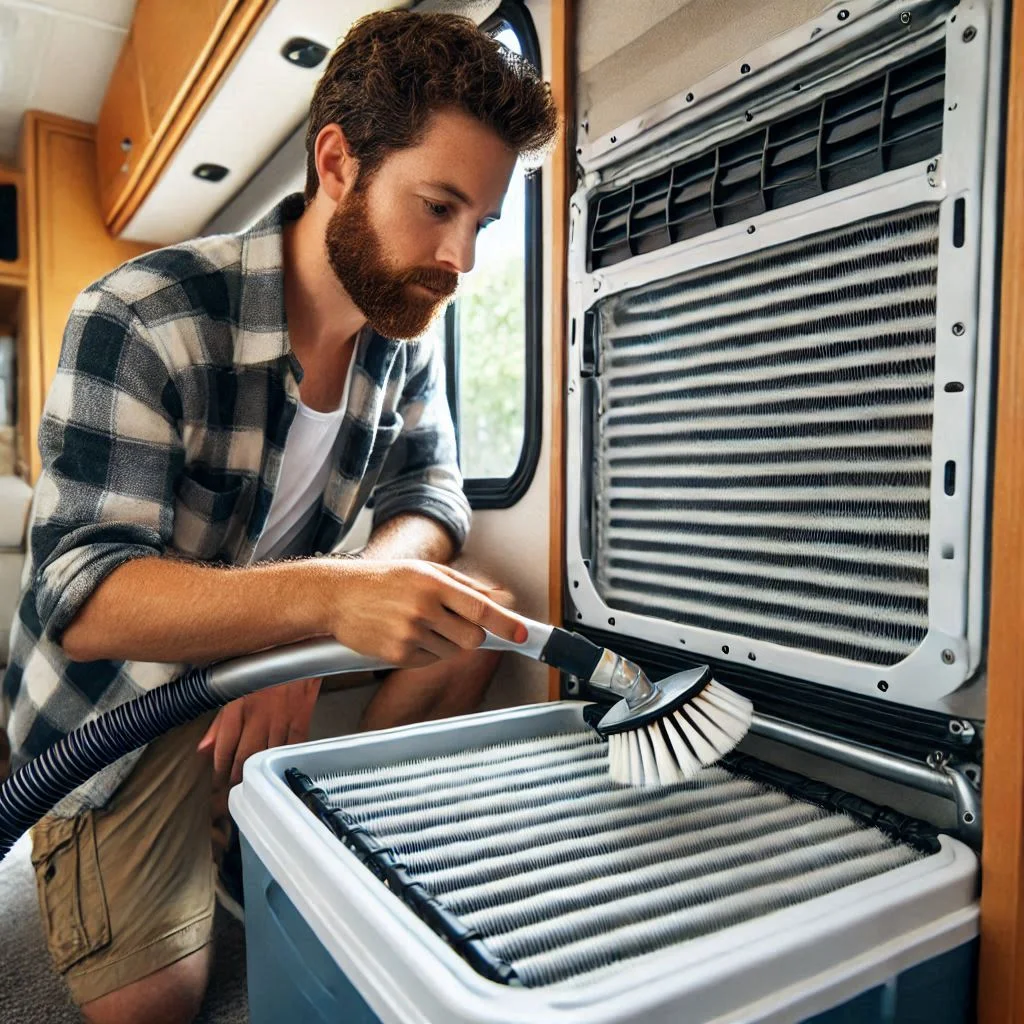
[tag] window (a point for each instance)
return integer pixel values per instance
(492, 332)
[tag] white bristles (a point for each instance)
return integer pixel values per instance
(668, 768)
(688, 764)
(706, 753)
(636, 770)
(675, 748)
(647, 758)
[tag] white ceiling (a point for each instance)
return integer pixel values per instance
(56, 55)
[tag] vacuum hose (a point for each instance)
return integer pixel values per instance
(35, 788)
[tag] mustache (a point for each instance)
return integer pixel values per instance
(445, 282)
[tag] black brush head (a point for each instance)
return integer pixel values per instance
(673, 692)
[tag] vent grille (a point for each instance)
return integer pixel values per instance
(879, 125)
(763, 450)
(562, 874)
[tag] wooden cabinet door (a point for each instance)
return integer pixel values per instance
(170, 40)
(73, 250)
(123, 131)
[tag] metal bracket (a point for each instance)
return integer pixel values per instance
(940, 776)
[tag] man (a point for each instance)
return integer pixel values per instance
(221, 407)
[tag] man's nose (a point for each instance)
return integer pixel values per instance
(458, 250)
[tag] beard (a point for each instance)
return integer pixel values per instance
(384, 294)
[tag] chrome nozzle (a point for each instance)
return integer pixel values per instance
(624, 678)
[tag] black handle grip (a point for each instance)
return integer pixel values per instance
(571, 653)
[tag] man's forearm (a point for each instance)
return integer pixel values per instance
(411, 536)
(161, 609)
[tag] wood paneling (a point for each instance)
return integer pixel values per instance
(10, 305)
(171, 49)
(123, 132)
(563, 76)
(235, 23)
(72, 250)
(1001, 976)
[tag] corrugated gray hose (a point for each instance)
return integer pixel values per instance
(36, 787)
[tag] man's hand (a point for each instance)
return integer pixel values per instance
(413, 613)
(268, 718)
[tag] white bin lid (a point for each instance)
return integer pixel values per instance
(784, 966)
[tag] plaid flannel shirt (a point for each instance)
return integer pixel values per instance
(164, 431)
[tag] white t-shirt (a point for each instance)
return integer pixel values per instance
(305, 468)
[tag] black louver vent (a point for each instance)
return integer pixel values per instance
(878, 125)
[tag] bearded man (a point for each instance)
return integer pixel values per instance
(221, 412)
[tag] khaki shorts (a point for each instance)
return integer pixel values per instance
(129, 889)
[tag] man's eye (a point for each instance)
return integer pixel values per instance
(436, 209)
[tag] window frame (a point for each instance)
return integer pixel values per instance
(504, 492)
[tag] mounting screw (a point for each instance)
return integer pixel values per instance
(579, 151)
(750, 116)
(585, 126)
(751, 656)
(613, 139)
(948, 657)
(572, 685)
(843, 14)
(744, 69)
(751, 229)
(725, 648)
(905, 18)
(962, 731)
(883, 685)
(689, 97)
(611, 622)
(958, 328)
(969, 33)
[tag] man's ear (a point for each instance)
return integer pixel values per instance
(335, 163)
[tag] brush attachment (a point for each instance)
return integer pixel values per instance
(690, 722)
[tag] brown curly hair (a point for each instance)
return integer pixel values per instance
(394, 69)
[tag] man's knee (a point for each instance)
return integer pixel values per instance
(171, 995)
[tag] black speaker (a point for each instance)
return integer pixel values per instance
(8, 222)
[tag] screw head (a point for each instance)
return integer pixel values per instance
(744, 69)
(750, 229)
(948, 657)
(613, 139)
(843, 14)
(689, 97)
(905, 17)
(883, 685)
(750, 116)
(958, 329)
(969, 33)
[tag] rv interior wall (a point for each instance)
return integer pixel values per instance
(627, 65)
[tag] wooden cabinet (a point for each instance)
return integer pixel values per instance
(172, 49)
(13, 271)
(123, 131)
(171, 63)
(71, 249)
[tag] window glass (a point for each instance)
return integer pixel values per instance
(492, 345)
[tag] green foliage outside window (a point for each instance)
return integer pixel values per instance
(492, 370)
